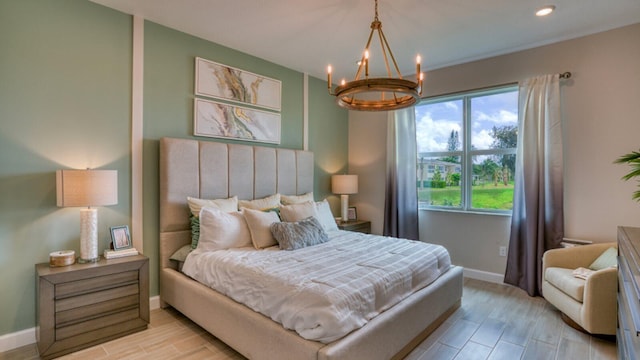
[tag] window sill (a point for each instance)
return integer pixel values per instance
(470, 212)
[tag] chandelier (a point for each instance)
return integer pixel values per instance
(377, 93)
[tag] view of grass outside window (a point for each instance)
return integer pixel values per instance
(467, 150)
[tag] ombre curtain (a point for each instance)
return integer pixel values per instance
(401, 199)
(537, 223)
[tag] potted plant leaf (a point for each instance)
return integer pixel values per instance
(633, 159)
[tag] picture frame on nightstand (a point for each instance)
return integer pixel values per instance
(352, 214)
(120, 237)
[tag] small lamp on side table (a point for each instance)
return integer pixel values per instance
(88, 188)
(344, 185)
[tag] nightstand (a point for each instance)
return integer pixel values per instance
(82, 305)
(362, 226)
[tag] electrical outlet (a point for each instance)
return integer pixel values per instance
(502, 251)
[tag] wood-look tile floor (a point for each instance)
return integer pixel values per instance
(494, 322)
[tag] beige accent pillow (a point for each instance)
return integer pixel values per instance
(228, 205)
(259, 223)
(298, 212)
(221, 230)
(325, 216)
(268, 202)
(296, 199)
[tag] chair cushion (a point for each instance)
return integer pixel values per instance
(564, 281)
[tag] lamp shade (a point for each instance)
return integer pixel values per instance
(344, 184)
(86, 187)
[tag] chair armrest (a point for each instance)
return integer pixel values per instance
(599, 309)
(574, 257)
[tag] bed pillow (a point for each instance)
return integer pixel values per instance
(221, 230)
(296, 199)
(296, 235)
(259, 223)
(297, 212)
(194, 221)
(609, 258)
(325, 216)
(268, 202)
(228, 205)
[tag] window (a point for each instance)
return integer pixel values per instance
(467, 150)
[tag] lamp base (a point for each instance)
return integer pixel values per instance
(344, 202)
(88, 261)
(88, 235)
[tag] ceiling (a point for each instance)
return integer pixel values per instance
(307, 35)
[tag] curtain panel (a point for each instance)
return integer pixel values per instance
(401, 198)
(537, 222)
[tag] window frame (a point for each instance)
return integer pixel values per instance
(467, 153)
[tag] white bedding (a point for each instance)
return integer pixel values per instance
(322, 292)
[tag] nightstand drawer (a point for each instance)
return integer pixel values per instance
(83, 313)
(94, 284)
(95, 297)
(362, 226)
(97, 323)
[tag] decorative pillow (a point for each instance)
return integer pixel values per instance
(297, 212)
(195, 230)
(609, 258)
(181, 254)
(228, 205)
(296, 235)
(222, 230)
(296, 199)
(268, 202)
(259, 223)
(325, 217)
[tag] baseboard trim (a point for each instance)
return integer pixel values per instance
(154, 302)
(17, 339)
(28, 336)
(484, 276)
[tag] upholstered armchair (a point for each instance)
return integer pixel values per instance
(590, 303)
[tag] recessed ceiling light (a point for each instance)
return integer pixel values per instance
(545, 10)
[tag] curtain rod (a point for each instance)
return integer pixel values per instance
(564, 75)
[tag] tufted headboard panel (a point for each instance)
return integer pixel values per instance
(212, 170)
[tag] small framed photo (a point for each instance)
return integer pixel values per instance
(120, 237)
(352, 214)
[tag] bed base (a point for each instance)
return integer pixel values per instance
(390, 335)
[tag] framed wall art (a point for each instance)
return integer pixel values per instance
(232, 84)
(220, 120)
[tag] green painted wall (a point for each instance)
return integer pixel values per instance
(65, 102)
(328, 139)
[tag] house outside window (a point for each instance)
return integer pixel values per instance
(467, 150)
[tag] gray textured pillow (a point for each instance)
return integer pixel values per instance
(296, 235)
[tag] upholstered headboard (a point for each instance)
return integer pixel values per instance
(212, 170)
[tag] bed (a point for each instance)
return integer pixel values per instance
(206, 169)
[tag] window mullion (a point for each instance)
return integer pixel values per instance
(468, 176)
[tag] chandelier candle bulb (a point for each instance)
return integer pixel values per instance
(366, 63)
(343, 82)
(329, 77)
(418, 59)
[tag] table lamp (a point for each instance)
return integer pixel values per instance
(344, 185)
(87, 188)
